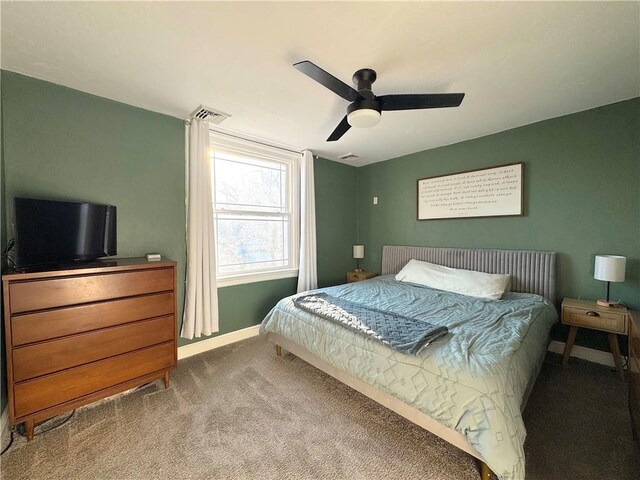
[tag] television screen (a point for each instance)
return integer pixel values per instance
(51, 232)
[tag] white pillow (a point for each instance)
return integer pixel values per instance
(465, 282)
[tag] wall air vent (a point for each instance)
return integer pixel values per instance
(348, 156)
(209, 114)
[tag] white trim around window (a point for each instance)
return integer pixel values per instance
(231, 149)
(256, 277)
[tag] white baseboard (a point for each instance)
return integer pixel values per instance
(585, 353)
(215, 342)
(3, 418)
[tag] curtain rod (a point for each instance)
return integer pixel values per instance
(188, 122)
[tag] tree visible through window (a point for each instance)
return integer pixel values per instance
(253, 213)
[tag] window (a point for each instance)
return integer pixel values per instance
(255, 204)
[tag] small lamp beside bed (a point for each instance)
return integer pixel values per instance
(358, 253)
(609, 268)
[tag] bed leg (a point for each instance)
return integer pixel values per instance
(485, 472)
(278, 350)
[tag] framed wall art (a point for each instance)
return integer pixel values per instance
(487, 192)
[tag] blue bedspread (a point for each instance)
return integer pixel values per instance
(472, 380)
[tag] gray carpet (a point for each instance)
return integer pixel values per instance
(242, 412)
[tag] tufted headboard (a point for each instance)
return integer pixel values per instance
(531, 271)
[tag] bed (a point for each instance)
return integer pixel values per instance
(468, 387)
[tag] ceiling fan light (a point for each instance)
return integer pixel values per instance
(363, 118)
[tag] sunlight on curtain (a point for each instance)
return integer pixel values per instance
(201, 298)
(308, 269)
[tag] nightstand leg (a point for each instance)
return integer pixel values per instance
(569, 345)
(615, 351)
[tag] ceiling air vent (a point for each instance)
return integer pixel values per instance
(348, 156)
(209, 114)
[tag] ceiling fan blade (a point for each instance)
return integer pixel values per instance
(328, 80)
(414, 102)
(340, 130)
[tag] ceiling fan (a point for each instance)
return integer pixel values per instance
(365, 108)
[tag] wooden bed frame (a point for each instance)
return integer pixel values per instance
(531, 272)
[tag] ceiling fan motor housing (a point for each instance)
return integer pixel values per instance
(365, 111)
(363, 79)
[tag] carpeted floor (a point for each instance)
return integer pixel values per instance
(242, 412)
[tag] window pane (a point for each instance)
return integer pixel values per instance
(247, 242)
(249, 184)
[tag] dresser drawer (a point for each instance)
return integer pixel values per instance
(58, 292)
(601, 321)
(34, 327)
(34, 395)
(42, 358)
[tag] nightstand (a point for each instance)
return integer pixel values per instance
(587, 314)
(359, 276)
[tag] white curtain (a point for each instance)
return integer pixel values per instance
(308, 268)
(201, 300)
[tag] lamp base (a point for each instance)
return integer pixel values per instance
(358, 270)
(607, 303)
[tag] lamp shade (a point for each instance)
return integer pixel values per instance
(610, 268)
(358, 251)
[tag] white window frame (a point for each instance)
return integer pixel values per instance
(241, 146)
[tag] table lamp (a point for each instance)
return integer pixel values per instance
(609, 268)
(358, 253)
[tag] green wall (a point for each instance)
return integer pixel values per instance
(242, 306)
(582, 197)
(335, 220)
(582, 190)
(65, 144)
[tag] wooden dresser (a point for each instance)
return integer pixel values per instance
(634, 373)
(75, 336)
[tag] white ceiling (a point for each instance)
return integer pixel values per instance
(517, 63)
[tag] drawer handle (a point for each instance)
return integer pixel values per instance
(591, 313)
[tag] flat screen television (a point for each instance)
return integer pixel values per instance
(52, 233)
